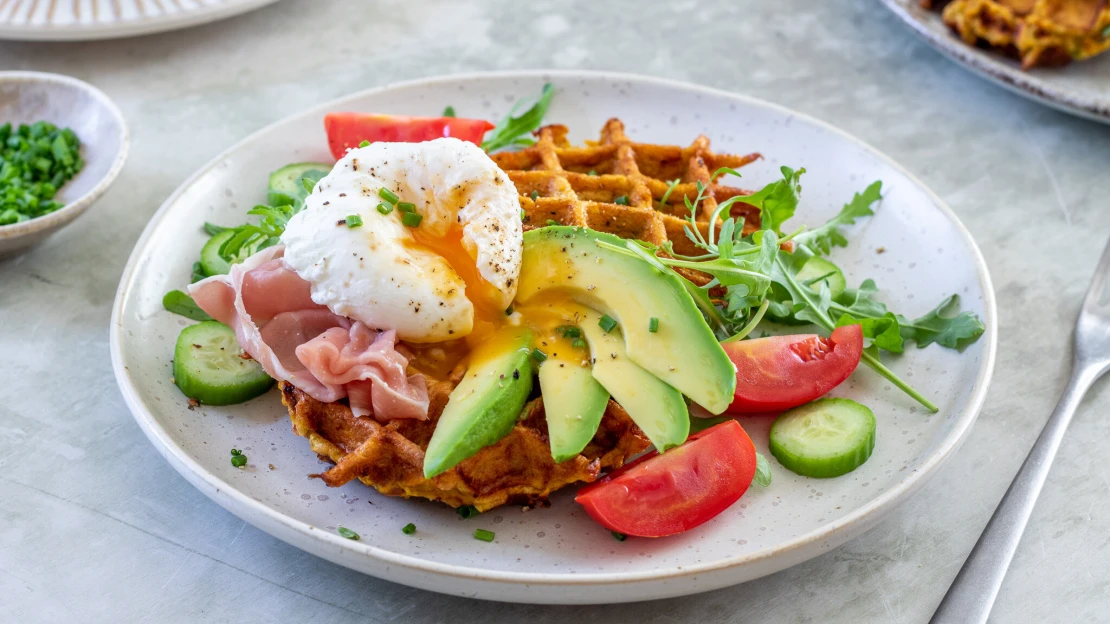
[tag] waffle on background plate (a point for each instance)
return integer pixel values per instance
(613, 185)
(1038, 32)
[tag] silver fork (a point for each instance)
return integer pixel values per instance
(972, 594)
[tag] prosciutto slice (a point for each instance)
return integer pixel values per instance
(327, 356)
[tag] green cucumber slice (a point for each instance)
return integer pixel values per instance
(286, 188)
(211, 262)
(828, 272)
(826, 438)
(207, 366)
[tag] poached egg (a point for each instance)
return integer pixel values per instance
(432, 282)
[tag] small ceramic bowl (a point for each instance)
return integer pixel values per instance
(27, 97)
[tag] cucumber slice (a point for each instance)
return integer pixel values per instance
(815, 268)
(207, 366)
(286, 188)
(211, 262)
(825, 438)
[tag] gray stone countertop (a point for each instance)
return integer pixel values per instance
(95, 526)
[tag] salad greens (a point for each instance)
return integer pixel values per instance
(759, 275)
(513, 131)
(35, 161)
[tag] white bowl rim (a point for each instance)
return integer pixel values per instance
(71, 210)
(243, 506)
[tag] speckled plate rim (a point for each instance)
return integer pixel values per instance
(130, 28)
(74, 208)
(1005, 74)
(421, 573)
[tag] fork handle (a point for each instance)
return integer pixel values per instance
(972, 594)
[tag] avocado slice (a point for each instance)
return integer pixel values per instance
(286, 187)
(573, 402)
(485, 405)
(683, 352)
(654, 406)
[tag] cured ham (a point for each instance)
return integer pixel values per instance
(327, 356)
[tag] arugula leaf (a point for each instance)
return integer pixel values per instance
(512, 131)
(860, 302)
(943, 326)
(776, 201)
(762, 471)
(883, 332)
(198, 273)
(180, 303)
(822, 239)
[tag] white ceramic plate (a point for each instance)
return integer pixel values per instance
(558, 555)
(1079, 88)
(85, 20)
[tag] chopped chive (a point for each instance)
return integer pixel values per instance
(607, 323)
(620, 537)
(411, 219)
(467, 511)
(653, 325)
(579, 344)
(569, 331)
(364, 144)
(353, 221)
(449, 111)
(538, 355)
(534, 195)
(592, 172)
(484, 535)
(406, 206)
(622, 200)
(509, 311)
(238, 459)
(408, 529)
(552, 222)
(388, 196)
(347, 533)
(385, 208)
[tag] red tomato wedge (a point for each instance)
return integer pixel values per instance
(780, 372)
(346, 130)
(659, 495)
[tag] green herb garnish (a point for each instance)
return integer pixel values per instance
(181, 303)
(534, 195)
(408, 529)
(653, 325)
(467, 511)
(364, 144)
(353, 221)
(591, 172)
(538, 355)
(578, 344)
(762, 471)
(607, 323)
(484, 535)
(385, 208)
(406, 206)
(411, 219)
(667, 195)
(552, 222)
(620, 537)
(238, 459)
(309, 184)
(569, 331)
(388, 196)
(449, 112)
(622, 200)
(347, 533)
(513, 131)
(35, 161)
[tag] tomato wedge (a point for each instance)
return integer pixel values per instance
(346, 130)
(659, 495)
(780, 372)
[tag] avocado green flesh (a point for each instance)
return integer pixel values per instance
(655, 407)
(684, 353)
(573, 402)
(485, 405)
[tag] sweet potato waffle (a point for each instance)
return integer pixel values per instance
(1038, 32)
(580, 186)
